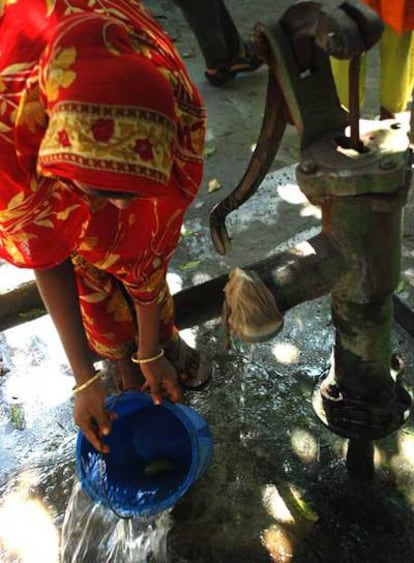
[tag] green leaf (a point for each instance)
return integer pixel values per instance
(158, 466)
(17, 417)
(208, 151)
(304, 507)
(189, 265)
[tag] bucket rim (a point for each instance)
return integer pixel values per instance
(171, 500)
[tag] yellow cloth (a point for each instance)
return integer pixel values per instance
(396, 72)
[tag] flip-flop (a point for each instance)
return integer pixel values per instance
(247, 61)
(179, 355)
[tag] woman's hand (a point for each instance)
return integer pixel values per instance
(161, 376)
(58, 289)
(91, 417)
(161, 379)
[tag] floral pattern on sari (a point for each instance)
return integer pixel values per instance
(55, 126)
(123, 140)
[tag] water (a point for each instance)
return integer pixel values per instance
(93, 533)
(248, 364)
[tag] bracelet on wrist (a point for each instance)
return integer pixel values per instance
(136, 360)
(78, 388)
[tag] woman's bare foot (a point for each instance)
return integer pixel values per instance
(127, 376)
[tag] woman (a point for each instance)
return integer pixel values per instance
(101, 141)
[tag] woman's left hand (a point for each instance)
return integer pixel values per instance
(92, 417)
(162, 380)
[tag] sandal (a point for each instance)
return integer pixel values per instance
(247, 61)
(193, 374)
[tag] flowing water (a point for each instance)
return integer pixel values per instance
(92, 532)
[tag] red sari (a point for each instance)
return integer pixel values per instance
(95, 92)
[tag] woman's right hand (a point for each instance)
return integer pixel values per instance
(91, 417)
(161, 380)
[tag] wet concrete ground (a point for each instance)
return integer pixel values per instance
(277, 488)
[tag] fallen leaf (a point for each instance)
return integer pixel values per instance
(185, 233)
(304, 507)
(213, 185)
(189, 265)
(17, 417)
(208, 151)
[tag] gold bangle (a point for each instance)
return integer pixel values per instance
(79, 388)
(136, 360)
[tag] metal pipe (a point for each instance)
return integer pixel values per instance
(306, 271)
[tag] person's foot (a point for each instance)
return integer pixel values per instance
(127, 376)
(247, 61)
(193, 375)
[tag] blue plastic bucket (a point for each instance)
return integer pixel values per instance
(157, 452)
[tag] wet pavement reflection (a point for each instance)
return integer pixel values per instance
(277, 489)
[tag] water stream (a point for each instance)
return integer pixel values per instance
(93, 533)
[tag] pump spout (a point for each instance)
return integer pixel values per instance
(257, 296)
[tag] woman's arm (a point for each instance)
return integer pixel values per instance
(160, 375)
(57, 287)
